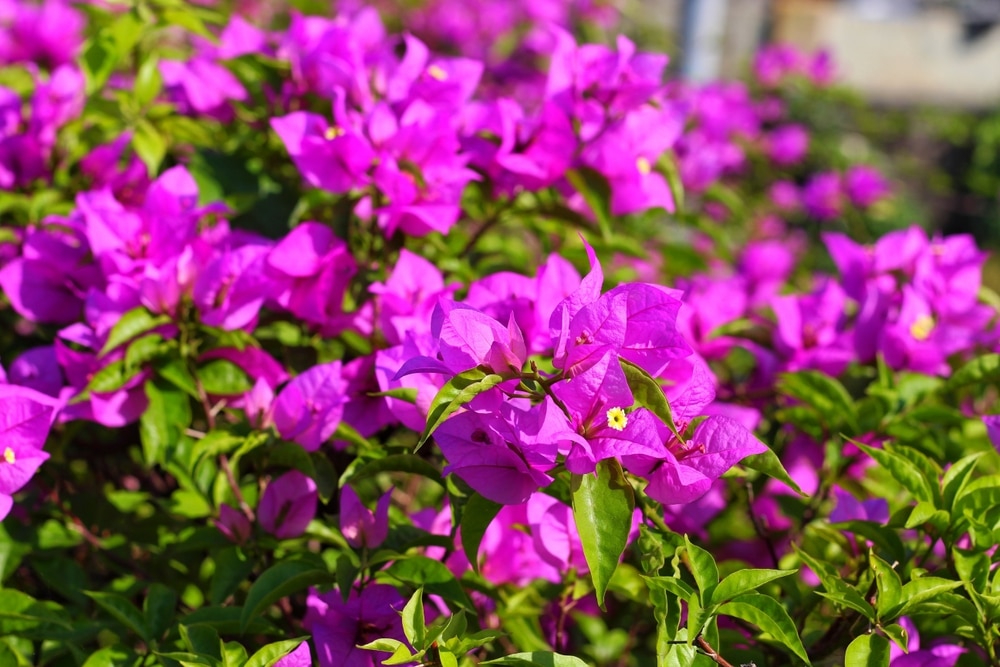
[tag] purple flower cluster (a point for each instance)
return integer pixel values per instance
(544, 367)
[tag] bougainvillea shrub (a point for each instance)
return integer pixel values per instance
(444, 336)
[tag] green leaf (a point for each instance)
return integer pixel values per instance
(703, 569)
(281, 580)
(142, 350)
(868, 651)
(979, 371)
(603, 504)
(109, 656)
(539, 658)
(477, 516)
(596, 192)
(164, 420)
(924, 513)
(234, 654)
(176, 372)
(888, 585)
(454, 394)
(111, 377)
(744, 581)
(20, 612)
(433, 575)
(122, 610)
(148, 82)
(136, 321)
(232, 568)
(956, 477)
(825, 395)
(408, 394)
(159, 608)
(149, 145)
(409, 463)
(769, 464)
(648, 393)
(186, 17)
(767, 614)
(103, 52)
(918, 591)
(667, 164)
(226, 620)
(903, 471)
(672, 585)
(202, 640)
(272, 653)
(979, 494)
(224, 378)
(898, 634)
(972, 567)
(414, 625)
(349, 434)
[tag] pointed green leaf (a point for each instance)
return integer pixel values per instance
(868, 651)
(596, 192)
(703, 569)
(232, 568)
(672, 585)
(454, 394)
(132, 323)
(122, 610)
(433, 575)
(767, 614)
(159, 608)
(272, 653)
(538, 658)
(826, 395)
(956, 477)
(409, 463)
(888, 585)
(477, 516)
(769, 464)
(603, 504)
(648, 393)
(744, 581)
(981, 370)
(903, 471)
(918, 591)
(414, 626)
(979, 494)
(281, 580)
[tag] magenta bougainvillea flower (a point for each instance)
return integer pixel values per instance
(311, 269)
(234, 524)
(941, 654)
(822, 196)
(361, 527)
(25, 419)
(338, 627)
(309, 408)
(47, 33)
(288, 505)
(865, 186)
(787, 145)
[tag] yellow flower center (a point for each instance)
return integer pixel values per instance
(922, 327)
(436, 72)
(643, 165)
(333, 132)
(617, 419)
(8, 455)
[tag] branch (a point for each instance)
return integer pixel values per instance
(711, 652)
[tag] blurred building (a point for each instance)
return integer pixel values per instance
(899, 52)
(903, 51)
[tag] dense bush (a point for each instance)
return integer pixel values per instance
(333, 344)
